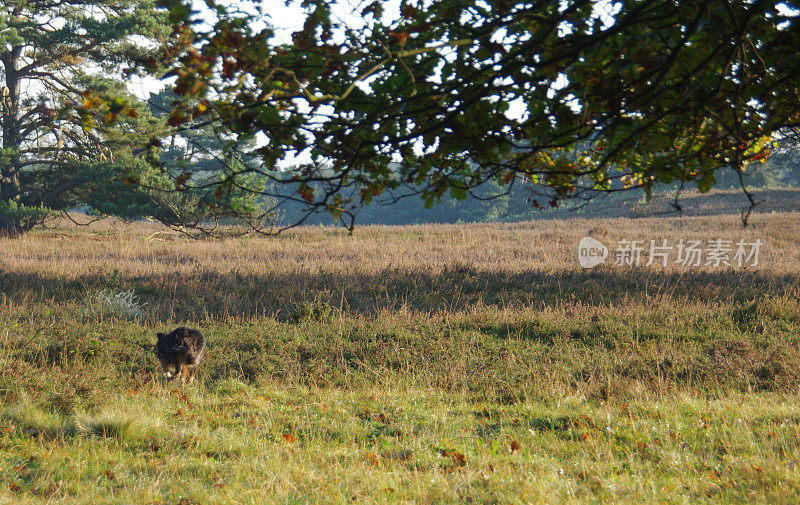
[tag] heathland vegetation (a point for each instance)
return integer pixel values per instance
(413, 364)
(425, 363)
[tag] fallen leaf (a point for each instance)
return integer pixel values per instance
(515, 446)
(289, 438)
(457, 457)
(110, 475)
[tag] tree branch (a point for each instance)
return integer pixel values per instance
(51, 197)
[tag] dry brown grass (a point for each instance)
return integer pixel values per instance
(448, 268)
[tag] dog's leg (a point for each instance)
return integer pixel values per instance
(182, 373)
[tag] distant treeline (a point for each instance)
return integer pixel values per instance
(490, 204)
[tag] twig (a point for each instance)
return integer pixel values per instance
(24, 346)
(152, 236)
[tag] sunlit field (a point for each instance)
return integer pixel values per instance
(426, 364)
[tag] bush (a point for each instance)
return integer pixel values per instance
(124, 304)
(17, 218)
(312, 311)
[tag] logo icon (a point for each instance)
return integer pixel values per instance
(591, 252)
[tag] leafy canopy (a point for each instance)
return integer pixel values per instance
(569, 97)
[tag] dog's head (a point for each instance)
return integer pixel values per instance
(168, 362)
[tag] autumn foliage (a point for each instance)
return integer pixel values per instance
(569, 99)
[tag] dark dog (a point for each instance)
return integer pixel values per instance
(180, 353)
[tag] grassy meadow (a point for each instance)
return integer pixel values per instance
(421, 364)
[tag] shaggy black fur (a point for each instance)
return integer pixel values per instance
(180, 353)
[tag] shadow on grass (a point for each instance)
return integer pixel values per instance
(504, 359)
(179, 297)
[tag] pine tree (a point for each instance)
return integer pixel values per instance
(58, 59)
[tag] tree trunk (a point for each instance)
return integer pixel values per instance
(10, 191)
